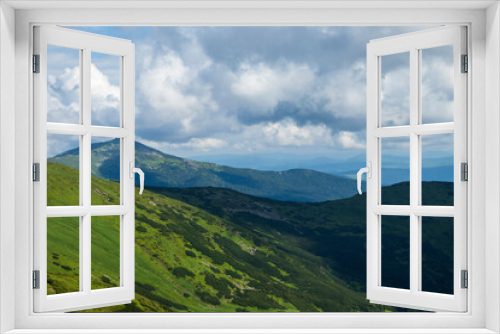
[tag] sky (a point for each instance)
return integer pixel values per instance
(209, 91)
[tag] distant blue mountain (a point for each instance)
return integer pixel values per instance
(395, 168)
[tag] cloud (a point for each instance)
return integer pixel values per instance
(257, 88)
(262, 87)
(64, 98)
(195, 144)
(175, 104)
(349, 140)
(437, 85)
(395, 90)
(287, 133)
(105, 99)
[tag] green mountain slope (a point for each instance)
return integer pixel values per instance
(165, 170)
(335, 231)
(188, 259)
(217, 250)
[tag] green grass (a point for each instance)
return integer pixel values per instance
(63, 259)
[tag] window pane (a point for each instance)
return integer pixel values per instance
(395, 251)
(63, 85)
(63, 163)
(437, 254)
(105, 89)
(63, 257)
(437, 169)
(437, 84)
(105, 252)
(395, 90)
(105, 171)
(395, 171)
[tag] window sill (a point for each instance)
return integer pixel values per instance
(252, 331)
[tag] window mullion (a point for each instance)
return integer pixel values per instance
(414, 172)
(85, 174)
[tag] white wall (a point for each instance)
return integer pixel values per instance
(492, 165)
(7, 161)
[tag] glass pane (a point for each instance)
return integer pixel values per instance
(437, 254)
(437, 169)
(105, 171)
(105, 266)
(63, 163)
(395, 251)
(63, 255)
(63, 85)
(437, 84)
(395, 89)
(105, 89)
(395, 171)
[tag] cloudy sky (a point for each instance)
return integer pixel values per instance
(237, 90)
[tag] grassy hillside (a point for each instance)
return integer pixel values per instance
(217, 250)
(188, 259)
(335, 231)
(165, 170)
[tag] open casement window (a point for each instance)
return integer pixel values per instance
(68, 200)
(428, 115)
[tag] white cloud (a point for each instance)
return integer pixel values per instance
(395, 97)
(194, 144)
(345, 93)
(349, 140)
(64, 98)
(437, 90)
(287, 133)
(174, 98)
(262, 86)
(105, 99)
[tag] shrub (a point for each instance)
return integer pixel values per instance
(233, 274)
(207, 298)
(182, 272)
(141, 229)
(190, 253)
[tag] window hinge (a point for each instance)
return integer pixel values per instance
(465, 64)
(465, 279)
(464, 171)
(36, 63)
(36, 279)
(36, 172)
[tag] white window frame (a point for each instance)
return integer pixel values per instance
(483, 314)
(413, 44)
(85, 43)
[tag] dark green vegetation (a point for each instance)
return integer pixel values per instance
(165, 170)
(217, 250)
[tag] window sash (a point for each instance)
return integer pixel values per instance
(85, 298)
(414, 298)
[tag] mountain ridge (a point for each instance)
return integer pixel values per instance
(165, 170)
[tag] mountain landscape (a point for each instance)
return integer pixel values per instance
(165, 170)
(212, 249)
(395, 169)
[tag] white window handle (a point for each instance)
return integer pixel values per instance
(368, 171)
(141, 175)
